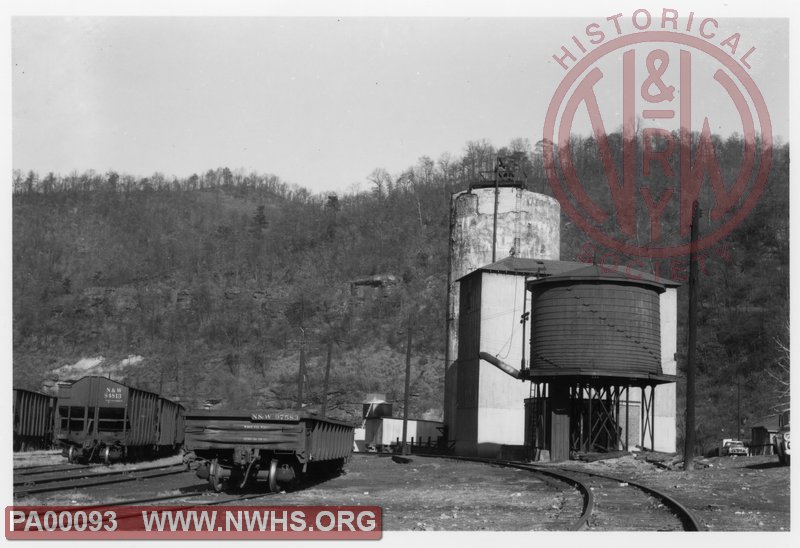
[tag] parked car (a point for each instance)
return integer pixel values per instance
(780, 443)
(731, 448)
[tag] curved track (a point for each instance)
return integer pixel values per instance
(618, 504)
(611, 503)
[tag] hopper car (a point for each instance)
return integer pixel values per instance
(234, 449)
(33, 420)
(102, 420)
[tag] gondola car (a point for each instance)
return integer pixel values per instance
(100, 419)
(33, 420)
(236, 448)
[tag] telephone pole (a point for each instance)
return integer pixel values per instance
(301, 372)
(327, 378)
(691, 365)
(406, 398)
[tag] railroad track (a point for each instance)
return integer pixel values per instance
(217, 500)
(34, 469)
(618, 504)
(53, 468)
(78, 478)
(60, 482)
(609, 503)
(57, 474)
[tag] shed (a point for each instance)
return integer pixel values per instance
(762, 434)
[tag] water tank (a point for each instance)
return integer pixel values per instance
(528, 226)
(596, 323)
(376, 406)
(376, 410)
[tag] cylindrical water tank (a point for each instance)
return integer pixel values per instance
(527, 226)
(376, 410)
(593, 322)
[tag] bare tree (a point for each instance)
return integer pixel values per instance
(779, 372)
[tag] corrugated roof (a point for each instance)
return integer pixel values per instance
(568, 269)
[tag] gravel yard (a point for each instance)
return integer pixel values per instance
(429, 494)
(725, 493)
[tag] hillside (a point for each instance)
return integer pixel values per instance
(211, 287)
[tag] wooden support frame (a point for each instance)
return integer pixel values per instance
(600, 416)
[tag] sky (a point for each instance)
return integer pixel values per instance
(318, 101)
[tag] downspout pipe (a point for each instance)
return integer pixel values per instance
(501, 365)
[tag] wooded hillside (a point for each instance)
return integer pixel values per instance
(210, 285)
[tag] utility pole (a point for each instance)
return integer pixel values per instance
(301, 372)
(738, 407)
(406, 397)
(327, 378)
(691, 366)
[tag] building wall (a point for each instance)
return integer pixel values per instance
(491, 409)
(501, 398)
(386, 431)
(464, 431)
(526, 221)
(666, 394)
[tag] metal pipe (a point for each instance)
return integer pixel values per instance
(524, 317)
(501, 365)
(496, 202)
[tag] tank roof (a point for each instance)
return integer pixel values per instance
(546, 269)
(499, 184)
(602, 273)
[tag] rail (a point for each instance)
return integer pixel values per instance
(687, 519)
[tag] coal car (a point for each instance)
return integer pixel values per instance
(33, 420)
(234, 449)
(100, 419)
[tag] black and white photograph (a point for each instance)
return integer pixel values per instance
(361, 271)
